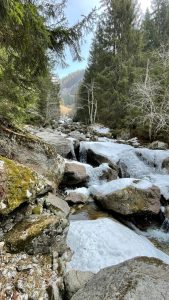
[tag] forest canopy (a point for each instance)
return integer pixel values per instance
(33, 36)
(126, 81)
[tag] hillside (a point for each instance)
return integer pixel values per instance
(69, 86)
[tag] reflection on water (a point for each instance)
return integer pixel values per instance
(88, 212)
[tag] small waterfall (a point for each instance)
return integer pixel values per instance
(165, 225)
(96, 174)
(83, 153)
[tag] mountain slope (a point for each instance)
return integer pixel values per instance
(69, 86)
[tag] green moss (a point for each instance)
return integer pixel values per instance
(20, 183)
(26, 139)
(21, 235)
(37, 210)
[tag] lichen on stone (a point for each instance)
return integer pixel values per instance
(21, 235)
(17, 185)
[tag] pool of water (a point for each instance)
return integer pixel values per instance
(88, 212)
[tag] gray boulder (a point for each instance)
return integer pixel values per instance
(158, 145)
(130, 199)
(34, 153)
(75, 280)
(38, 234)
(77, 198)
(140, 278)
(75, 173)
(165, 164)
(57, 205)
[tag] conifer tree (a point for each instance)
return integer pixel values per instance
(113, 59)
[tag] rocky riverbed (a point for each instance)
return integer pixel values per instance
(75, 201)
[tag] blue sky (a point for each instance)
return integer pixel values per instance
(74, 10)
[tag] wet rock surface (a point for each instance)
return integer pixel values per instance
(165, 164)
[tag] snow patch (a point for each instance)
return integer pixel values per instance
(101, 243)
(82, 190)
(100, 129)
(162, 182)
(119, 184)
(110, 150)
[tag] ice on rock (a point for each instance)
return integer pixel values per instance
(96, 173)
(140, 162)
(100, 129)
(101, 243)
(162, 181)
(119, 184)
(110, 150)
(137, 163)
(82, 190)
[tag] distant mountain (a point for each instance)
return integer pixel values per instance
(69, 86)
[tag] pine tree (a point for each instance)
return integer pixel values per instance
(156, 25)
(31, 33)
(113, 60)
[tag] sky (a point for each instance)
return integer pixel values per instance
(74, 10)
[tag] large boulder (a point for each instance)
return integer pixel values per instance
(80, 195)
(165, 164)
(64, 146)
(158, 145)
(32, 152)
(77, 135)
(140, 278)
(38, 234)
(75, 173)
(75, 280)
(97, 159)
(57, 205)
(18, 184)
(126, 196)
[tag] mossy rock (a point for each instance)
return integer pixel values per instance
(34, 233)
(18, 184)
(131, 200)
(33, 152)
